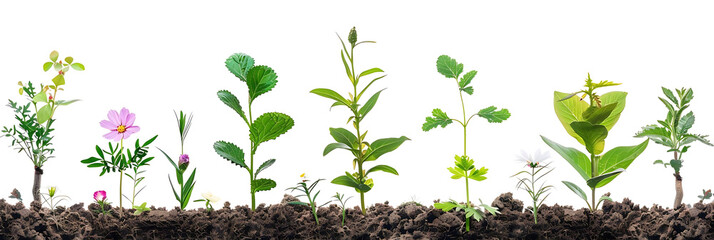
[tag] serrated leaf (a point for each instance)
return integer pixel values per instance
(269, 126)
(448, 66)
(466, 79)
(382, 146)
(239, 64)
(262, 184)
(44, 114)
(77, 66)
(685, 123)
(657, 134)
(260, 79)
(469, 90)
(689, 138)
(232, 101)
(58, 80)
(494, 116)
(230, 152)
(383, 168)
(593, 135)
(439, 119)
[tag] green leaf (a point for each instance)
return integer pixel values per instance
(332, 146)
(54, 55)
(440, 119)
(445, 206)
(658, 162)
(58, 80)
(382, 146)
(230, 152)
(457, 173)
(239, 64)
(347, 67)
(657, 134)
(685, 123)
(469, 90)
(77, 66)
(593, 135)
(577, 159)
(670, 95)
(44, 114)
(299, 203)
(593, 182)
(264, 166)
(448, 67)
(69, 60)
(57, 66)
(478, 174)
(689, 138)
(576, 190)
(466, 79)
(269, 126)
(261, 184)
(95, 165)
(46, 67)
(370, 71)
(676, 164)
(40, 97)
(260, 79)
(610, 98)
(596, 115)
(90, 160)
(66, 102)
(324, 92)
(369, 104)
(348, 180)
(344, 136)
(232, 101)
(494, 116)
(383, 168)
(568, 111)
(619, 157)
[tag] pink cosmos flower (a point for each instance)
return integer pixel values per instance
(121, 125)
(100, 196)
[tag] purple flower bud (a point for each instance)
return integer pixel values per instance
(183, 159)
(100, 196)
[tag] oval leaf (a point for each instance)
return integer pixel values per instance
(77, 66)
(232, 101)
(383, 168)
(577, 159)
(269, 126)
(344, 136)
(44, 114)
(382, 146)
(260, 79)
(619, 157)
(448, 66)
(230, 152)
(262, 184)
(592, 135)
(239, 64)
(568, 111)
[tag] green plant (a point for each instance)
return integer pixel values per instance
(356, 144)
(464, 167)
(30, 135)
(674, 133)
(343, 201)
(101, 198)
(528, 183)
(50, 197)
(138, 209)
(185, 188)
(590, 124)
(706, 195)
(16, 195)
(260, 79)
(307, 192)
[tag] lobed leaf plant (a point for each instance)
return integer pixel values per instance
(307, 192)
(674, 133)
(356, 143)
(538, 193)
(33, 133)
(259, 79)
(464, 165)
(589, 123)
(185, 188)
(343, 201)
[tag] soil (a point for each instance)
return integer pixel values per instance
(408, 221)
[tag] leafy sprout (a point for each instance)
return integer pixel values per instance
(307, 192)
(343, 201)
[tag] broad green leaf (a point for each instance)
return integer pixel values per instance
(260, 79)
(577, 190)
(332, 146)
(593, 135)
(494, 116)
(348, 180)
(54, 55)
(370, 71)
(66, 102)
(69, 60)
(670, 95)
(324, 92)
(448, 67)
(232, 101)
(610, 98)
(344, 136)
(269, 126)
(58, 80)
(439, 119)
(568, 111)
(44, 114)
(685, 123)
(369, 104)
(577, 159)
(381, 146)
(230, 152)
(264, 166)
(239, 64)
(383, 168)
(46, 67)
(445, 206)
(40, 97)
(592, 183)
(676, 164)
(77, 66)
(619, 157)
(596, 115)
(261, 184)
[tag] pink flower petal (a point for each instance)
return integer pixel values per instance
(114, 117)
(132, 129)
(108, 125)
(130, 120)
(111, 135)
(119, 137)
(122, 116)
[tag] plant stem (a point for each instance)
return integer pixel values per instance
(252, 153)
(121, 177)
(37, 183)
(535, 198)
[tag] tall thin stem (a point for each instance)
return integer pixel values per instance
(593, 173)
(121, 177)
(252, 153)
(535, 197)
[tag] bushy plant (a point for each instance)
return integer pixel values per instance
(259, 79)
(589, 123)
(356, 143)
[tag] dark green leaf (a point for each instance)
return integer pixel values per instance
(260, 79)
(90, 160)
(593, 182)
(332, 146)
(269, 126)
(577, 190)
(494, 116)
(230, 152)
(383, 168)
(344, 136)
(369, 104)
(448, 67)
(577, 159)
(239, 64)
(466, 80)
(382, 146)
(264, 166)
(232, 101)
(348, 180)
(439, 119)
(262, 184)
(593, 135)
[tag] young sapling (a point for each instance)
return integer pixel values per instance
(343, 201)
(464, 165)
(260, 79)
(528, 183)
(185, 188)
(589, 123)
(362, 150)
(307, 192)
(674, 134)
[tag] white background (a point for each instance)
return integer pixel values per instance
(155, 57)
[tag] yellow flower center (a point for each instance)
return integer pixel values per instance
(121, 129)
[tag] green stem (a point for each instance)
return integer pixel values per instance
(252, 153)
(468, 203)
(593, 173)
(361, 198)
(121, 177)
(535, 198)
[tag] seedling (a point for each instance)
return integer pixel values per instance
(356, 144)
(33, 133)
(528, 183)
(464, 165)
(706, 195)
(343, 201)
(121, 126)
(590, 124)
(307, 192)
(209, 199)
(50, 197)
(185, 188)
(16, 195)
(260, 79)
(673, 133)
(140, 209)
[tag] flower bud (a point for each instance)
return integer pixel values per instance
(183, 161)
(52, 191)
(352, 37)
(100, 196)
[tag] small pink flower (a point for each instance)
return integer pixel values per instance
(121, 125)
(100, 196)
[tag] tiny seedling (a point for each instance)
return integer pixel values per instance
(33, 133)
(706, 195)
(343, 201)
(590, 123)
(307, 192)
(674, 133)
(362, 150)
(209, 199)
(52, 199)
(16, 195)
(140, 209)
(185, 188)
(101, 198)
(259, 79)
(528, 183)
(464, 165)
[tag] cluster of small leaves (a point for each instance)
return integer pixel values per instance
(465, 169)
(51, 102)
(471, 211)
(673, 132)
(706, 195)
(185, 188)
(29, 136)
(16, 194)
(307, 192)
(529, 184)
(343, 201)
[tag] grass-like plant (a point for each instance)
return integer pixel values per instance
(674, 133)
(528, 183)
(260, 79)
(589, 123)
(356, 143)
(464, 165)
(52, 199)
(185, 188)
(307, 192)
(33, 133)
(343, 201)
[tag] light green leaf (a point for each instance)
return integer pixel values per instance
(40, 97)
(494, 116)
(382, 146)
(58, 80)
(478, 174)
(46, 67)
(448, 67)
(260, 79)
(383, 168)
(593, 135)
(269, 126)
(577, 190)
(264, 166)
(44, 114)
(439, 119)
(232, 101)
(344, 136)
(239, 64)
(689, 138)
(596, 115)
(577, 159)
(261, 184)
(69, 60)
(466, 80)
(685, 123)
(370, 71)
(54, 55)
(670, 95)
(568, 111)
(445, 206)
(610, 98)
(332, 146)
(230, 152)
(57, 66)
(369, 104)
(66, 102)
(619, 157)
(657, 134)
(77, 66)
(324, 92)
(458, 173)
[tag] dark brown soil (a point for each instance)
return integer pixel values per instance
(410, 221)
